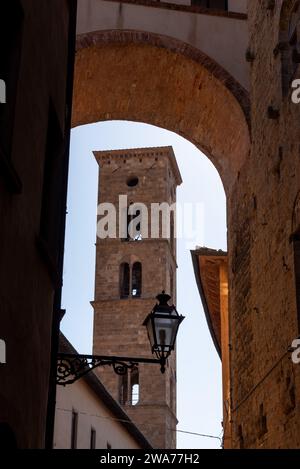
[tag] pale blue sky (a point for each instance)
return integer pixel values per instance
(199, 397)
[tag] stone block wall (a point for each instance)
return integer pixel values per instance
(261, 211)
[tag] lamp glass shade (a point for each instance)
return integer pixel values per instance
(162, 327)
(166, 327)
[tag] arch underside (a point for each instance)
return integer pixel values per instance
(142, 77)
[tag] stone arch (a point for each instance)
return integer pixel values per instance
(144, 77)
(130, 259)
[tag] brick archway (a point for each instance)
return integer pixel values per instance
(143, 77)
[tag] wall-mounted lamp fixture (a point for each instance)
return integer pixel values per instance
(162, 326)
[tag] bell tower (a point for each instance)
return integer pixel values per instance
(135, 262)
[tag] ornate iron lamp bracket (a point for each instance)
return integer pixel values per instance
(71, 367)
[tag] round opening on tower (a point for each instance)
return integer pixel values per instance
(132, 181)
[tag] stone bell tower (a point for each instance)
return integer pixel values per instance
(131, 269)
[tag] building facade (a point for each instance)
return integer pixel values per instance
(36, 64)
(238, 110)
(211, 273)
(263, 239)
(131, 269)
(220, 78)
(87, 417)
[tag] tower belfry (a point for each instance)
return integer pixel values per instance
(131, 269)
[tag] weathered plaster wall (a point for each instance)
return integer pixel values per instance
(92, 413)
(223, 38)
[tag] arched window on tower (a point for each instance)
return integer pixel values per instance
(129, 388)
(138, 234)
(134, 231)
(134, 387)
(290, 44)
(124, 280)
(136, 285)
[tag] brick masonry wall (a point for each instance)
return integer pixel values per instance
(262, 188)
(118, 328)
(201, 101)
(265, 384)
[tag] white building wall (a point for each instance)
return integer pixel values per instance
(222, 38)
(91, 413)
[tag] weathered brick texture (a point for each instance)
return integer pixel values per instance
(262, 283)
(259, 166)
(118, 328)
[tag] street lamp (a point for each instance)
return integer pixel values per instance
(162, 326)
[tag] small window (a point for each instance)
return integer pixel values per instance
(138, 234)
(2, 351)
(135, 387)
(129, 388)
(93, 439)
(128, 220)
(134, 226)
(74, 429)
(132, 181)
(124, 280)
(136, 287)
(215, 4)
